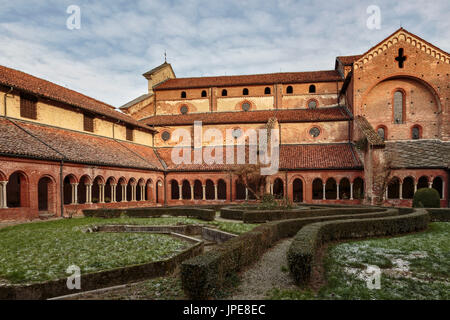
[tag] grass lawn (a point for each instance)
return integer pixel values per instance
(42, 251)
(415, 266)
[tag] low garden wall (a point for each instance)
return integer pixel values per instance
(302, 252)
(439, 214)
(148, 212)
(205, 274)
(101, 279)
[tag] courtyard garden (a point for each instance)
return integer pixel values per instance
(41, 251)
(414, 266)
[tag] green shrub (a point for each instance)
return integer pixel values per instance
(439, 214)
(302, 251)
(426, 198)
(205, 275)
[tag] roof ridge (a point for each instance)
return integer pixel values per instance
(253, 74)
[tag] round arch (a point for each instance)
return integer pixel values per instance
(397, 76)
(17, 190)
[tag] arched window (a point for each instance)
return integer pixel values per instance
(224, 92)
(245, 92)
(67, 189)
(210, 192)
(344, 189)
(382, 132)
(267, 90)
(278, 190)
(198, 190)
(17, 190)
(240, 191)
(312, 89)
(331, 189)
(358, 188)
(317, 189)
(399, 106)
(415, 133)
(297, 190)
(45, 195)
(84, 181)
(408, 188)
(222, 190)
(289, 89)
(438, 184)
(422, 182)
(394, 188)
(186, 190)
(183, 94)
(130, 186)
(204, 93)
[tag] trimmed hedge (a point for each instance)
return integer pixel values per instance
(202, 214)
(302, 252)
(439, 214)
(249, 215)
(426, 198)
(204, 275)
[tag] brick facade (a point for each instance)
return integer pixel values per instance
(50, 165)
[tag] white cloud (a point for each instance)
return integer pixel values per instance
(119, 41)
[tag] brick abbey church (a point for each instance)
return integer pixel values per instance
(61, 151)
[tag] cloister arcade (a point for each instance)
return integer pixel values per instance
(41, 193)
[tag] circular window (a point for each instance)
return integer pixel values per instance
(314, 132)
(237, 133)
(246, 106)
(184, 109)
(312, 104)
(165, 135)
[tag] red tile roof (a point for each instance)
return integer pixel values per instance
(40, 87)
(306, 156)
(257, 79)
(52, 143)
(368, 131)
(262, 116)
(348, 60)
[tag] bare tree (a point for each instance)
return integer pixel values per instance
(250, 176)
(383, 167)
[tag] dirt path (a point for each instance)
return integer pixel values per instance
(266, 274)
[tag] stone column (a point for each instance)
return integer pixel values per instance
(89, 194)
(246, 193)
(351, 191)
(124, 193)
(101, 193)
(3, 200)
(337, 191)
(400, 195)
(387, 193)
(204, 192)
(113, 192)
(430, 184)
(180, 192)
(133, 192)
(415, 187)
(323, 190)
(215, 192)
(192, 192)
(443, 189)
(74, 199)
(143, 193)
(271, 188)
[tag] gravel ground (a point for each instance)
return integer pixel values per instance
(266, 274)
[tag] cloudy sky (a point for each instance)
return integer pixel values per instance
(121, 39)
